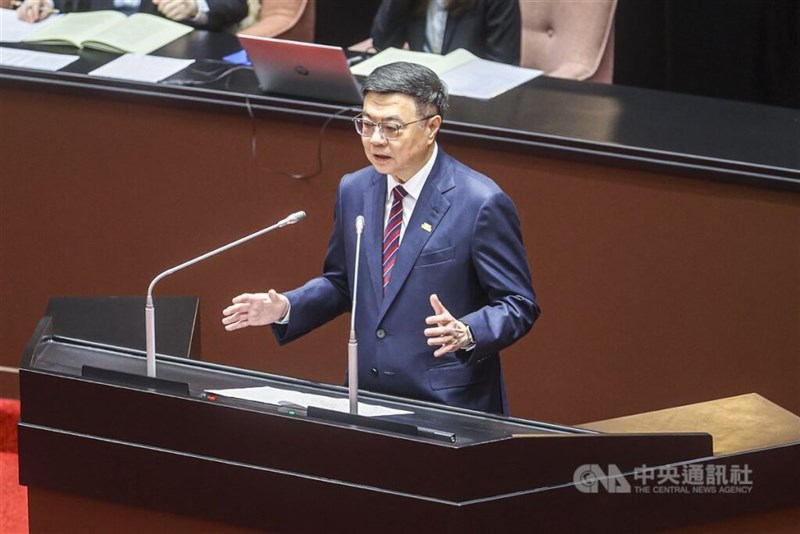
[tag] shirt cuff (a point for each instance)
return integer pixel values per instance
(472, 343)
(285, 319)
(202, 12)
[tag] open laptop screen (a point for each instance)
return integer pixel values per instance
(315, 71)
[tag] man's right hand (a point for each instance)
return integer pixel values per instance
(255, 309)
(34, 10)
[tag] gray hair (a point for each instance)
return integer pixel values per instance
(416, 81)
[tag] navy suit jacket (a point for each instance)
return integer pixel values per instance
(491, 30)
(221, 13)
(463, 242)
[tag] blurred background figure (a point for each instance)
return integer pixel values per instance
(490, 29)
(207, 14)
(281, 19)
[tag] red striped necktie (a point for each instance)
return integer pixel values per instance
(391, 236)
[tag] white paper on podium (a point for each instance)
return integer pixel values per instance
(271, 395)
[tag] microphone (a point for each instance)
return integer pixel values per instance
(149, 309)
(352, 344)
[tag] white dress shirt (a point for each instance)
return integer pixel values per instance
(435, 24)
(413, 187)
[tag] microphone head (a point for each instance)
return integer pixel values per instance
(360, 224)
(295, 217)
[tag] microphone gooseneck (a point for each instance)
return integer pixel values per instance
(352, 344)
(149, 309)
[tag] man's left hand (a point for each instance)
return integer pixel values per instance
(450, 333)
(177, 9)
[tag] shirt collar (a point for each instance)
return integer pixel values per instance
(413, 185)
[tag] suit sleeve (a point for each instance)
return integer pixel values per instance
(324, 297)
(501, 263)
(225, 13)
(390, 25)
(503, 31)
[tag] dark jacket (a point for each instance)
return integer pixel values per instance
(491, 30)
(221, 15)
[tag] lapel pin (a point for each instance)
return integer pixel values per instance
(427, 227)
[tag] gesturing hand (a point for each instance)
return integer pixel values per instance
(449, 333)
(255, 309)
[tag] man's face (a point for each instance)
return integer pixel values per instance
(404, 156)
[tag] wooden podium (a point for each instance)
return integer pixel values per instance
(119, 321)
(126, 454)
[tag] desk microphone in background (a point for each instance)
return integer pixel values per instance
(149, 309)
(352, 344)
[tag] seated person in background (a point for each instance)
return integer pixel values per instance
(206, 14)
(490, 29)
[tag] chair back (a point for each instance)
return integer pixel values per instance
(285, 19)
(569, 38)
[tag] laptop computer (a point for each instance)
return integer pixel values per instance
(301, 69)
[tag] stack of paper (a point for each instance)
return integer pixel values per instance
(29, 59)
(278, 396)
(463, 72)
(13, 30)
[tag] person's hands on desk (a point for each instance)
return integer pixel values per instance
(34, 10)
(177, 9)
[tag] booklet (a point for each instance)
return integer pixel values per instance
(111, 31)
(463, 72)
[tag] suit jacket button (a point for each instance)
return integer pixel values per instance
(381, 333)
(374, 371)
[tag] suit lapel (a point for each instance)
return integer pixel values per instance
(374, 206)
(449, 31)
(429, 210)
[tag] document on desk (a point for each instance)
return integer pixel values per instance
(138, 68)
(13, 30)
(278, 396)
(111, 31)
(464, 73)
(483, 79)
(30, 59)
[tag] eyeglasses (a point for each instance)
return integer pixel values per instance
(387, 130)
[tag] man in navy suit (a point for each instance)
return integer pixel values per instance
(458, 288)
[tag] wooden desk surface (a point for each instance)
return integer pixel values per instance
(636, 128)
